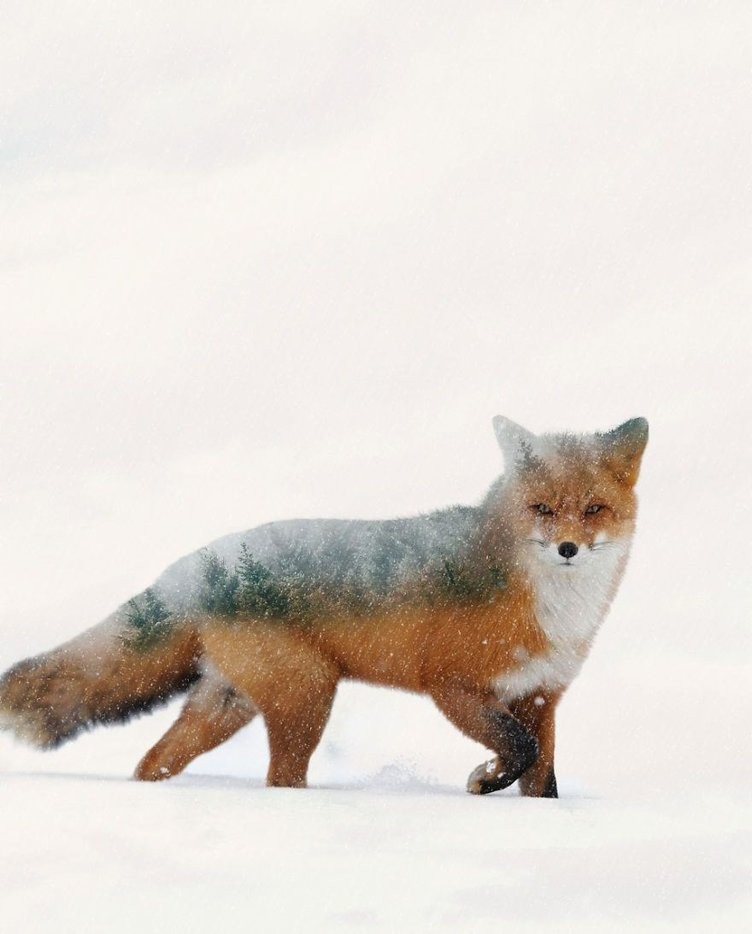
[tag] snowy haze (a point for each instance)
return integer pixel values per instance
(265, 261)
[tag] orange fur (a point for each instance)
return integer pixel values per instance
(452, 651)
(495, 644)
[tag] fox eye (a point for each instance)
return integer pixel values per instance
(542, 509)
(591, 510)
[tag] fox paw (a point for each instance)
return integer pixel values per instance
(150, 771)
(489, 776)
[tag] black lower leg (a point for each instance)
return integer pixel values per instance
(549, 789)
(518, 750)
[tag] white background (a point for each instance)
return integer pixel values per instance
(266, 261)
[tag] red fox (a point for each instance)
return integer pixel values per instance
(490, 610)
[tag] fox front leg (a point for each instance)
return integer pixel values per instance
(520, 755)
(530, 716)
(482, 717)
(536, 712)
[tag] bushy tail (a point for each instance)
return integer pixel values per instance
(98, 677)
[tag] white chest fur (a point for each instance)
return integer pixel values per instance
(570, 605)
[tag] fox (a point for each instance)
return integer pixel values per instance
(490, 610)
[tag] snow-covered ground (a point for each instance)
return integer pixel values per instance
(260, 261)
(224, 854)
(653, 829)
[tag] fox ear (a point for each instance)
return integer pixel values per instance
(623, 448)
(517, 443)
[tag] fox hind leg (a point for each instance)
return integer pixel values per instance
(213, 712)
(288, 680)
(295, 727)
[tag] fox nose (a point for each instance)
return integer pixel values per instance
(567, 549)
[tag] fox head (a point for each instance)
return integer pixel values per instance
(569, 499)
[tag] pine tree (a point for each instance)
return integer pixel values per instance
(259, 593)
(149, 621)
(220, 586)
